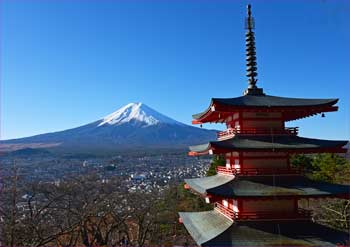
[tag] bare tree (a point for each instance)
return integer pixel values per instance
(85, 210)
(332, 212)
(8, 208)
(80, 211)
(144, 216)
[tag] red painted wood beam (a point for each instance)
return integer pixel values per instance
(276, 197)
(196, 121)
(290, 113)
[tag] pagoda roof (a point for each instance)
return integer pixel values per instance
(201, 185)
(269, 143)
(210, 228)
(204, 226)
(298, 107)
(265, 186)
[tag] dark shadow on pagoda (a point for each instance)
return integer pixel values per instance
(210, 228)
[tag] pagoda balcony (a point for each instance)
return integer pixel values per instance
(300, 214)
(258, 171)
(223, 135)
(226, 171)
(229, 213)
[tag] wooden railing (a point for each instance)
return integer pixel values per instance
(226, 211)
(257, 131)
(269, 171)
(258, 171)
(225, 171)
(300, 214)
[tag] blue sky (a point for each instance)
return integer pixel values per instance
(65, 63)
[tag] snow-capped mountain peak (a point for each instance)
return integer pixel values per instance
(136, 113)
(134, 126)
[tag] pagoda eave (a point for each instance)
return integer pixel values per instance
(201, 185)
(265, 186)
(269, 143)
(204, 226)
(215, 197)
(218, 111)
(268, 198)
(211, 228)
(289, 151)
(219, 116)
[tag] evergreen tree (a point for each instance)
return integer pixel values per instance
(333, 169)
(218, 160)
(324, 167)
(330, 168)
(302, 161)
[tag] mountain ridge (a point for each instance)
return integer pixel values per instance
(133, 126)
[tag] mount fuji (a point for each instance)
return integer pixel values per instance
(134, 126)
(137, 114)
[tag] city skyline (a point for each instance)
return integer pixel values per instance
(68, 63)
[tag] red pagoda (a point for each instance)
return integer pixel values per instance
(256, 194)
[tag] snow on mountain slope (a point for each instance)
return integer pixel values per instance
(133, 126)
(136, 112)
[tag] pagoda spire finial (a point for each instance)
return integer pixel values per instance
(251, 56)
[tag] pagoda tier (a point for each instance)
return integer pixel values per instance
(290, 186)
(212, 228)
(272, 143)
(287, 109)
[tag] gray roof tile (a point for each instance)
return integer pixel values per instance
(210, 228)
(264, 186)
